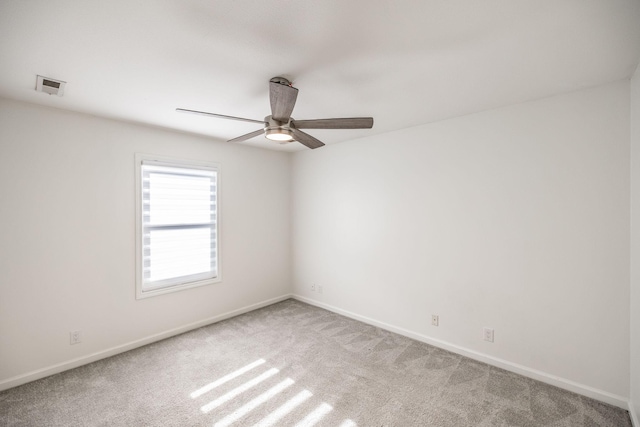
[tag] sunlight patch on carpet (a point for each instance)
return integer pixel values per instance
(226, 378)
(314, 417)
(250, 406)
(240, 389)
(283, 410)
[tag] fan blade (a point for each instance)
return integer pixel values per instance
(247, 136)
(345, 123)
(306, 139)
(219, 116)
(283, 99)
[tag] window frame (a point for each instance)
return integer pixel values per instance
(181, 163)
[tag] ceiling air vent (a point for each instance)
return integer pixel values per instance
(50, 86)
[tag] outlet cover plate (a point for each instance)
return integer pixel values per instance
(75, 337)
(487, 334)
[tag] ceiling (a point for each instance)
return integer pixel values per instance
(405, 63)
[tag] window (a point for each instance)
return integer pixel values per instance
(177, 225)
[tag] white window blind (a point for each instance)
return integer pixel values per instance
(179, 224)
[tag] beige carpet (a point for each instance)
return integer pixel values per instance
(294, 364)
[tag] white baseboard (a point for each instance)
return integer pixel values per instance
(575, 387)
(74, 363)
(635, 422)
(578, 388)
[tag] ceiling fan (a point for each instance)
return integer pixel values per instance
(283, 128)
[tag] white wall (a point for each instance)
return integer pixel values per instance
(67, 229)
(515, 219)
(635, 246)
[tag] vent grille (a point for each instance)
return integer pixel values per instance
(50, 86)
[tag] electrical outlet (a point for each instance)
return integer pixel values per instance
(313, 287)
(319, 289)
(75, 337)
(487, 334)
(435, 319)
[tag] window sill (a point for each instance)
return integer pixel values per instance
(140, 294)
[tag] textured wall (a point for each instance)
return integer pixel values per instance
(515, 219)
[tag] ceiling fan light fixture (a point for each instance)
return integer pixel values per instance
(279, 134)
